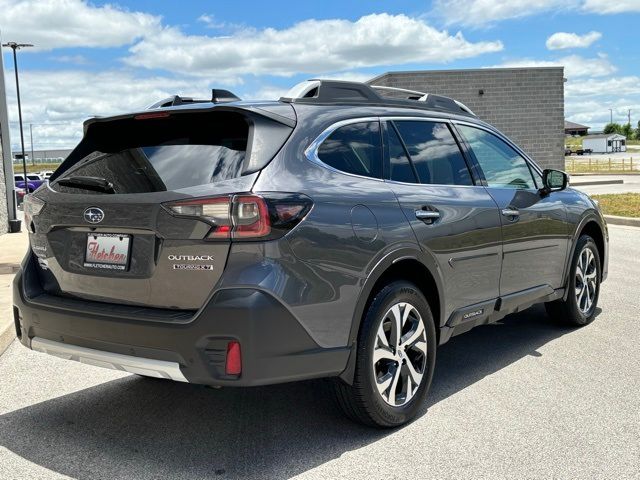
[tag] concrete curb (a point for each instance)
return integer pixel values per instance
(7, 336)
(596, 182)
(9, 268)
(628, 221)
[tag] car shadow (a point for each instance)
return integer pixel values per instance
(141, 428)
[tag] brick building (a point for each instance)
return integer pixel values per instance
(526, 104)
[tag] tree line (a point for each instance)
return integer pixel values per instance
(623, 129)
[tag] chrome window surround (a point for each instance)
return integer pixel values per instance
(311, 151)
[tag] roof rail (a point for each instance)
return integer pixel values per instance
(318, 91)
(421, 96)
(217, 96)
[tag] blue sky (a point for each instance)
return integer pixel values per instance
(101, 58)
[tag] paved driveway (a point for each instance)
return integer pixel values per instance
(524, 398)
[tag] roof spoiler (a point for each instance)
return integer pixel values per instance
(217, 96)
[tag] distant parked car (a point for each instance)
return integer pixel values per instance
(33, 181)
(45, 174)
(567, 151)
(20, 193)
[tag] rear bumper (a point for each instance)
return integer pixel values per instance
(275, 347)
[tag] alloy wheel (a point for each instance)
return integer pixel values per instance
(586, 280)
(399, 354)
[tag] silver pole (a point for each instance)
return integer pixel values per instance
(5, 147)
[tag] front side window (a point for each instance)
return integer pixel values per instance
(355, 149)
(503, 167)
(434, 153)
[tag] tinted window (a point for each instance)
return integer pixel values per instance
(435, 153)
(354, 149)
(503, 167)
(160, 154)
(399, 165)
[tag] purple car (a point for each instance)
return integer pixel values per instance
(33, 182)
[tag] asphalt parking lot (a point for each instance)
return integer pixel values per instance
(524, 398)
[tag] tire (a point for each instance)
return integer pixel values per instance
(579, 308)
(395, 368)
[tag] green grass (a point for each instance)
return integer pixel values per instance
(573, 142)
(621, 204)
(38, 167)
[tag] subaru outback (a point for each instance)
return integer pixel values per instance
(342, 232)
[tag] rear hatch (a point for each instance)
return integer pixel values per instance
(104, 229)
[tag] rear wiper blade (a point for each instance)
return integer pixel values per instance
(97, 184)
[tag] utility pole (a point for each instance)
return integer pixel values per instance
(15, 47)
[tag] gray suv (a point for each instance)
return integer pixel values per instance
(340, 232)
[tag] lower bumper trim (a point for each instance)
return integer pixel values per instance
(115, 361)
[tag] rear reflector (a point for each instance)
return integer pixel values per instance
(234, 359)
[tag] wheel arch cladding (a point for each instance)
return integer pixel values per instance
(414, 271)
(594, 230)
(409, 269)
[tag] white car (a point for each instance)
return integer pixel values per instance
(45, 174)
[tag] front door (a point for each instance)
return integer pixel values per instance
(535, 232)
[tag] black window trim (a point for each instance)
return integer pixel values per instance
(311, 151)
(387, 158)
(533, 166)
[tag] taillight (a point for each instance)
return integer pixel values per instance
(32, 207)
(245, 216)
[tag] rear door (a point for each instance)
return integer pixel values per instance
(105, 232)
(455, 220)
(534, 226)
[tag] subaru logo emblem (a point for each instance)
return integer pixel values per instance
(93, 215)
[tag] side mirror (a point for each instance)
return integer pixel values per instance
(554, 180)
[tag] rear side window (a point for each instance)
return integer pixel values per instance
(355, 149)
(434, 153)
(157, 154)
(502, 166)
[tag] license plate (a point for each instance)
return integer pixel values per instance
(109, 251)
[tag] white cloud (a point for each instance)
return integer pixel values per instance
(486, 12)
(562, 40)
(72, 23)
(575, 66)
(311, 46)
(620, 86)
(609, 6)
(483, 12)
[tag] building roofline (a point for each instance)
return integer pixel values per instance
(458, 70)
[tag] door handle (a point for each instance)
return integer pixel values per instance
(511, 213)
(427, 215)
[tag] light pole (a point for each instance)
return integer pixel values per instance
(611, 115)
(33, 160)
(15, 47)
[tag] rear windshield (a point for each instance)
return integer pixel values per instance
(158, 154)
